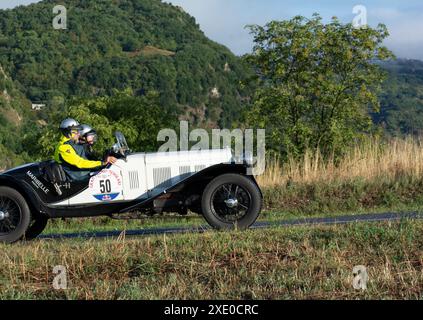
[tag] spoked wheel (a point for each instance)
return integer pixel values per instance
(231, 201)
(14, 215)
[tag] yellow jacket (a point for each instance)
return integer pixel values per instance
(66, 153)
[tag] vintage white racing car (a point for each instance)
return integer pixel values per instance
(207, 182)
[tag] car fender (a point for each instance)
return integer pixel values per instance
(212, 172)
(25, 190)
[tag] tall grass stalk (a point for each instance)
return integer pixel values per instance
(374, 159)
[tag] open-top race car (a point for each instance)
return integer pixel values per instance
(207, 182)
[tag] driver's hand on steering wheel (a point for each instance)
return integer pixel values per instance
(111, 160)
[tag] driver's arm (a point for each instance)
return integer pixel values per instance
(69, 155)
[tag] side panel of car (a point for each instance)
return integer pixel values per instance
(31, 176)
(142, 176)
(134, 177)
(23, 188)
(165, 170)
(194, 184)
(104, 187)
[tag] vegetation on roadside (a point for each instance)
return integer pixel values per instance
(376, 174)
(280, 263)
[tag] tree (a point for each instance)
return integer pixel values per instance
(138, 118)
(317, 82)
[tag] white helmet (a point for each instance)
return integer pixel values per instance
(68, 125)
(86, 131)
(85, 128)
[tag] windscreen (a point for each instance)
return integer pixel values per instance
(121, 141)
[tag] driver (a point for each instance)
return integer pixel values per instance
(67, 153)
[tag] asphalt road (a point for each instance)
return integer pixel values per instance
(258, 225)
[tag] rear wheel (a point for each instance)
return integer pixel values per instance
(231, 201)
(36, 227)
(15, 215)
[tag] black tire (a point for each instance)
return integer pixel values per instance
(15, 215)
(36, 227)
(231, 201)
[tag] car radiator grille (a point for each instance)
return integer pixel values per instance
(184, 172)
(134, 182)
(199, 168)
(162, 177)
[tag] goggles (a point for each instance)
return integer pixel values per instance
(92, 137)
(74, 132)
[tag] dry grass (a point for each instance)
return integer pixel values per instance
(372, 160)
(295, 263)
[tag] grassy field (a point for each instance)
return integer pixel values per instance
(279, 263)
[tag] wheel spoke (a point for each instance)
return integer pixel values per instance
(245, 207)
(11, 215)
(230, 202)
(228, 191)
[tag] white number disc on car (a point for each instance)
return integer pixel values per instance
(106, 186)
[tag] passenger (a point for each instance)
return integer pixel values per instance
(87, 139)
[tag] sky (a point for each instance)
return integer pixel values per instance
(224, 21)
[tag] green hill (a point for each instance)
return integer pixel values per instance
(17, 123)
(149, 47)
(402, 98)
(142, 44)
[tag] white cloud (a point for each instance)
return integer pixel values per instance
(405, 29)
(224, 20)
(7, 4)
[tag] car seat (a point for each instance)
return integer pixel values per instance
(54, 173)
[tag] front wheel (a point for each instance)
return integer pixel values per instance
(231, 201)
(15, 215)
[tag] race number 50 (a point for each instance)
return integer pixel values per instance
(105, 186)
